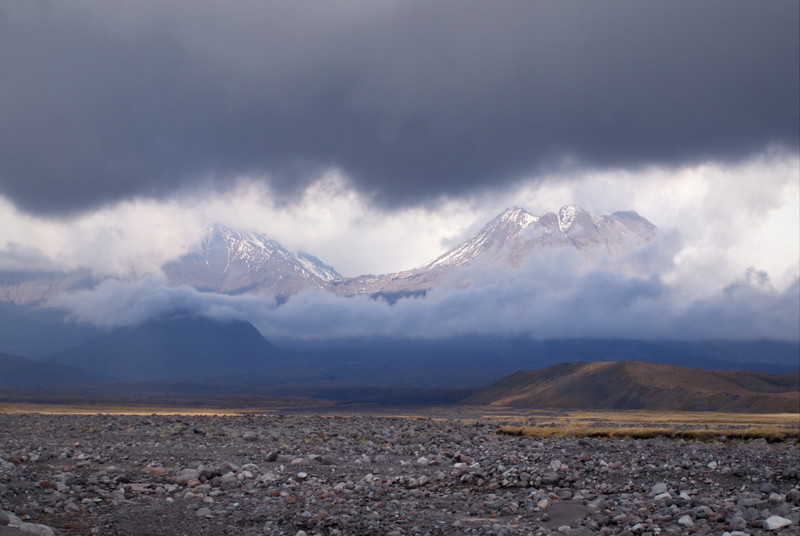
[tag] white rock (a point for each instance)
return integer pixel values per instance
(659, 488)
(776, 522)
(686, 521)
(268, 477)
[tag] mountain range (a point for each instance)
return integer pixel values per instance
(200, 355)
(233, 262)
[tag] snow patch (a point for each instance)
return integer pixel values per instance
(566, 217)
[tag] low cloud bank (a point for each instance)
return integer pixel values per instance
(554, 295)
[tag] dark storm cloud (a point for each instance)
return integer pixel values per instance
(102, 100)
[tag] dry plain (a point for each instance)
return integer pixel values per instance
(138, 469)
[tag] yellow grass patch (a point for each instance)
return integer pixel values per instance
(626, 432)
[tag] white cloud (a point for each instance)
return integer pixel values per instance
(729, 218)
(552, 296)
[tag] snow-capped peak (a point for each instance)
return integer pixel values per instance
(519, 216)
(566, 216)
(236, 262)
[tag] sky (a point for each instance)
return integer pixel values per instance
(378, 134)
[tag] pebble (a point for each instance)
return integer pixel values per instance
(659, 489)
(332, 475)
(776, 523)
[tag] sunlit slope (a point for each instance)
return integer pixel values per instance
(638, 385)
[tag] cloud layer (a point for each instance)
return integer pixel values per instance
(408, 100)
(552, 296)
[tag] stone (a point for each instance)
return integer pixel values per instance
(550, 478)
(485, 484)
(659, 488)
(228, 467)
(737, 523)
(579, 531)
(36, 529)
(701, 512)
(185, 476)
(250, 436)
(776, 523)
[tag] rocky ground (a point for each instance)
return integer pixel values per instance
(365, 475)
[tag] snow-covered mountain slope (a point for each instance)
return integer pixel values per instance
(510, 238)
(235, 263)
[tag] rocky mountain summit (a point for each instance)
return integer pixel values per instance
(509, 239)
(237, 263)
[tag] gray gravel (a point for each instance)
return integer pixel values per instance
(365, 475)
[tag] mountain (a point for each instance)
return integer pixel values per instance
(35, 287)
(477, 360)
(638, 385)
(32, 331)
(20, 372)
(237, 263)
(178, 348)
(509, 239)
(232, 262)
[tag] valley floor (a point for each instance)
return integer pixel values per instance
(365, 470)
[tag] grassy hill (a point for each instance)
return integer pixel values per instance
(638, 385)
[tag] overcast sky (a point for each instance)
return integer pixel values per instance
(377, 134)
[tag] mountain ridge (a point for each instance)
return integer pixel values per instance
(625, 385)
(234, 262)
(509, 238)
(181, 347)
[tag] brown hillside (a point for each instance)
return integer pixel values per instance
(637, 385)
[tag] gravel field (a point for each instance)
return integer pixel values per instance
(368, 475)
